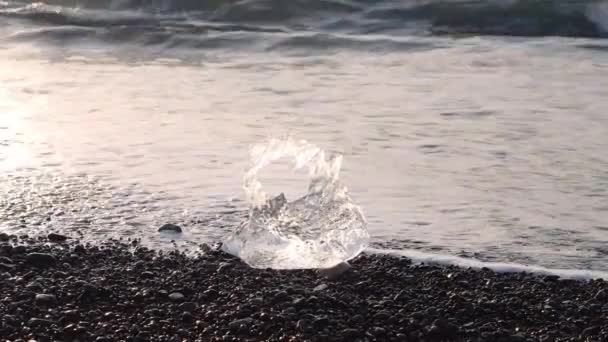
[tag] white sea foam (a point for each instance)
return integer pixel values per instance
(441, 259)
(318, 230)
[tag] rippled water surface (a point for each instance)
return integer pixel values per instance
(482, 146)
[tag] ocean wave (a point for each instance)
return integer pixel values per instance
(475, 17)
(501, 267)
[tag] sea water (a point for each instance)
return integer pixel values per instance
(473, 130)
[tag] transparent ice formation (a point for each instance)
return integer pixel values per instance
(319, 230)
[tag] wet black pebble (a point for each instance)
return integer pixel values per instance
(45, 299)
(117, 292)
(169, 227)
(40, 259)
(53, 237)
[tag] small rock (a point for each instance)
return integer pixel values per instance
(382, 316)
(6, 260)
(551, 278)
(187, 317)
(378, 331)
(280, 296)
(89, 292)
(19, 249)
(4, 237)
(257, 302)
(591, 331)
(176, 296)
(147, 275)
(223, 266)
(303, 325)
(601, 295)
(40, 259)
(443, 329)
(6, 267)
(53, 237)
(6, 249)
(518, 337)
(335, 272)
(187, 307)
(320, 322)
(170, 228)
(357, 319)
(399, 295)
(205, 248)
(45, 299)
(320, 287)
(235, 325)
(40, 322)
(70, 316)
(351, 333)
(72, 330)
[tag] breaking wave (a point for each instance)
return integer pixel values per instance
(321, 229)
(166, 21)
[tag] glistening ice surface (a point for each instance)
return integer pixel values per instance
(318, 230)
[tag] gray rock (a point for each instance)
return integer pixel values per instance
(4, 237)
(45, 299)
(223, 266)
(351, 333)
(176, 296)
(518, 337)
(320, 287)
(378, 331)
(601, 295)
(187, 317)
(205, 248)
(40, 322)
(335, 272)
(257, 301)
(6, 267)
(303, 325)
(19, 249)
(551, 278)
(53, 237)
(591, 331)
(236, 324)
(169, 227)
(381, 316)
(34, 286)
(187, 306)
(321, 322)
(40, 259)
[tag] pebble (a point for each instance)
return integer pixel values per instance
(40, 322)
(45, 299)
(320, 287)
(236, 324)
(335, 272)
(6, 267)
(386, 299)
(187, 306)
(53, 237)
(169, 227)
(176, 296)
(40, 259)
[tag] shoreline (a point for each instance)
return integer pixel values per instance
(117, 290)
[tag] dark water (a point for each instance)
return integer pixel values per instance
(471, 128)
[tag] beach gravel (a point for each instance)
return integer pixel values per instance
(115, 291)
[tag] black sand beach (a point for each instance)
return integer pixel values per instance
(118, 291)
